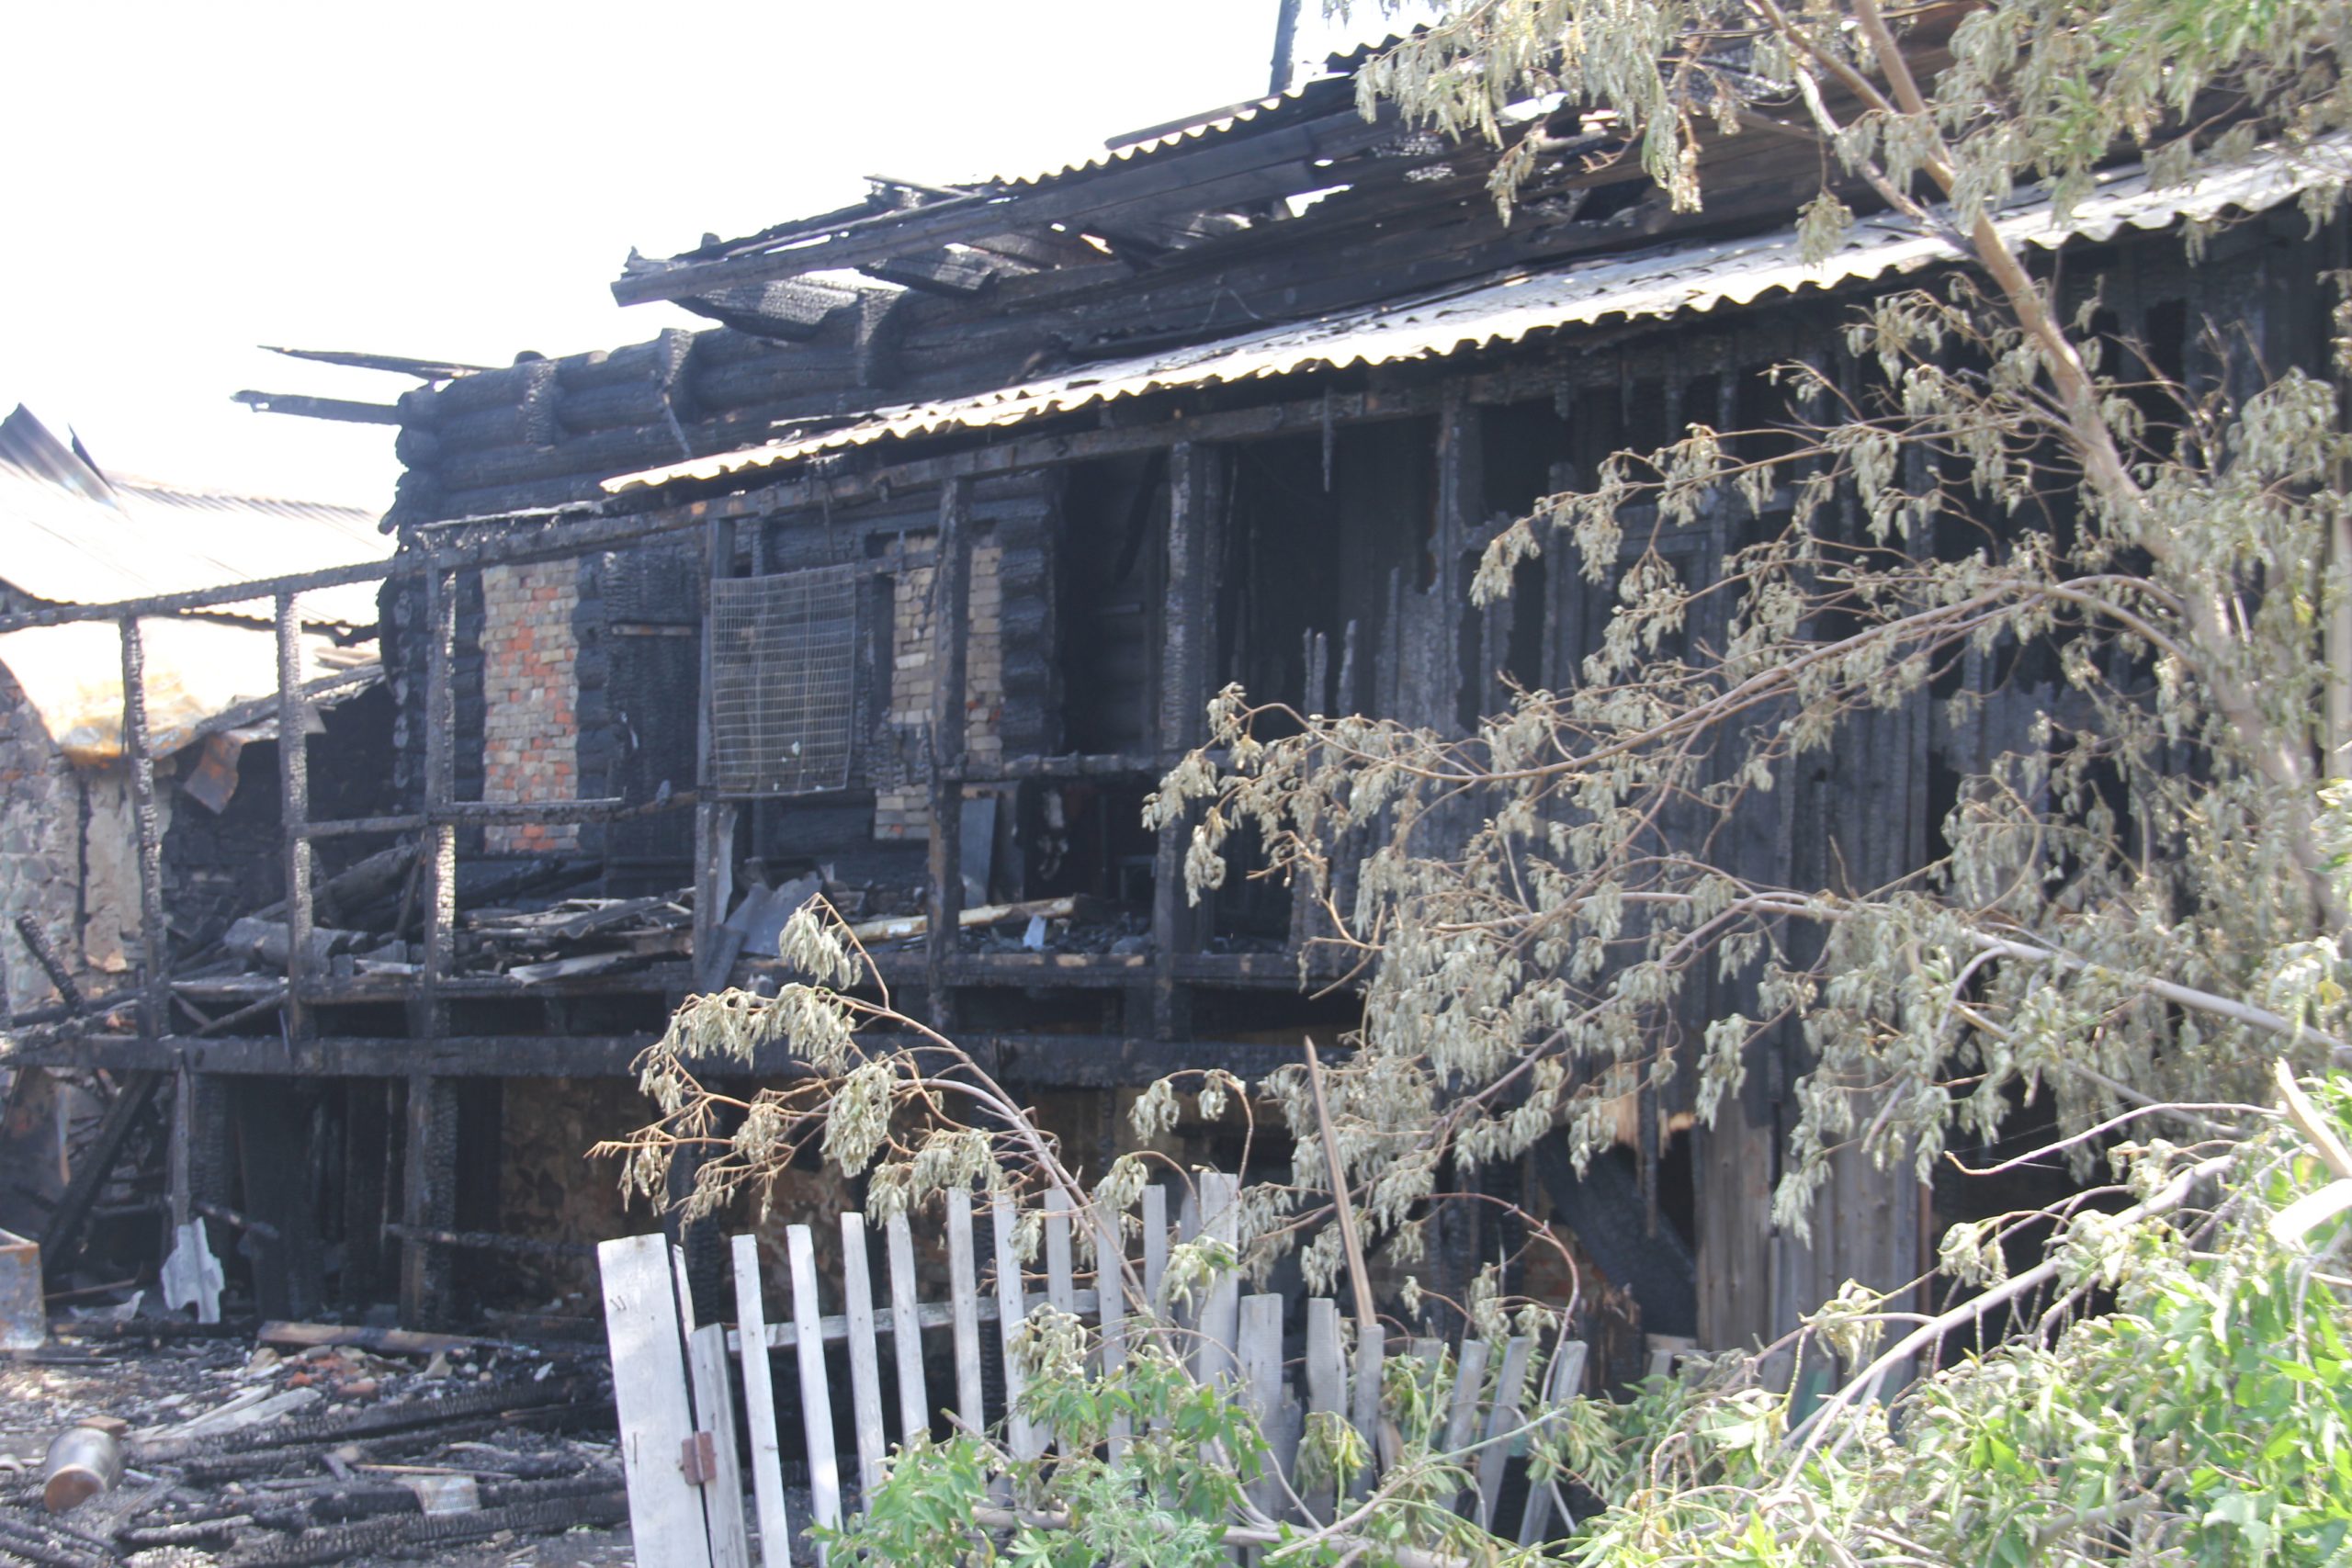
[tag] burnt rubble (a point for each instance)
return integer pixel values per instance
(232, 1454)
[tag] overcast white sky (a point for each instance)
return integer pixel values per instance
(462, 180)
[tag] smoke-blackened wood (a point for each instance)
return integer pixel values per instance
(294, 811)
(491, 1241)
(343, 410)
(1199, 177)
(428, 1196)
(951, 580)
(37, 943)
(62, 1238)
(524, 532)
(155, 977)
(431, 1017)
(714, 821)
(1195, 507)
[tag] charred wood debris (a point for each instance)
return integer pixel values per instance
(160, 1442)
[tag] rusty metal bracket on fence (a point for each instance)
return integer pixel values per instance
(699, 1459)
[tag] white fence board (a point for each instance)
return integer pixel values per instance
(650, 1396)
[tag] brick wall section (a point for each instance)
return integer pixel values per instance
(904, 812)
(530, 693)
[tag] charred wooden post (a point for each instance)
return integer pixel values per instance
(1285, 45)
(156, 1007)
(1195, 502)
(369, 1146)
(428, 1197)
(429, 1166)
(62, 1238)
(951, 582)
(714, 818)
(155, 979)
(1459, 458)
(294, 813)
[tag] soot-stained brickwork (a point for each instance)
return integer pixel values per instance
(530, 697)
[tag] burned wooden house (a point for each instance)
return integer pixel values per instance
(907, 578)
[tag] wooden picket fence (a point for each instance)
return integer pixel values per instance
(678, 1401)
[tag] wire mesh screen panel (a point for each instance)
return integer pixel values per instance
(784, 681)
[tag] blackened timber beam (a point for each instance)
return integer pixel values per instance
(294, 809)
(459, 543)
(491, 1241)
(37, 943)
(397, 364)
(951, 582)
(1067, 765)
(486, 813)
(1197, 175)
(62, 1238)
(345, 410)
(324, 689)
(1044, 1060)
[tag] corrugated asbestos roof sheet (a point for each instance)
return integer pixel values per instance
(1335, 84)
(1202, 131)
(72, 534)
(1654, 284)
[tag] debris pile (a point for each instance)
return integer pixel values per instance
(526, 924)
(324, 1444)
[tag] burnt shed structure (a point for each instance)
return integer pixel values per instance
(907, 580)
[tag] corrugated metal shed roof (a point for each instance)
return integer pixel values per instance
(1653, 284)
(70, 533)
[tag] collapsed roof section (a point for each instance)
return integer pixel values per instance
(73, 534)
(1288, 236)
(1656, 284)
(1135, 204)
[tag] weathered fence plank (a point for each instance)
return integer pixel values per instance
(1155, 1245)
(1221, 1304)
(759, 1408)
(686, 1483)
(1503, 1416)
(864, 1365)
(964, 1284)
(1011, 1309)
(1567, 1377)
(650, 1396)
(816, 1399)
(906, 1333)
(1327, 1382)
(1259, 1349)
(722, 1486)
(1111, 1311)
